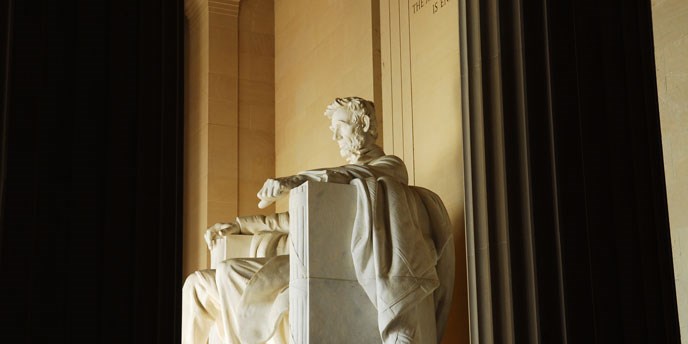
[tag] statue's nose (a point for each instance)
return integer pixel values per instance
(335, 135)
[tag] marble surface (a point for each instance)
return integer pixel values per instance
(323, 291)
(231, 246)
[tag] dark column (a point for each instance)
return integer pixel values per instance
(90, 248)
(567, 225)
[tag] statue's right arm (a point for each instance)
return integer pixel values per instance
(274, 189)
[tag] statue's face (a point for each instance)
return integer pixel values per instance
(349, 136)
(341, 126)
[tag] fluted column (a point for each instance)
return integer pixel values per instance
(567, 233)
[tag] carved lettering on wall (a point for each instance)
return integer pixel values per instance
(418, 5)
(437, 5)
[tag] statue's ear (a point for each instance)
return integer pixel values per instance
(366, 123)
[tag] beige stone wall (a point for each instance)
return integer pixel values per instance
(421, 108)
(323, 49)
(256, 102)
(670, 24)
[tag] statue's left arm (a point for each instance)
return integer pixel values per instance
(278, 222)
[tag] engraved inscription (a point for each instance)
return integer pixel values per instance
(418, 5)
(437, 5)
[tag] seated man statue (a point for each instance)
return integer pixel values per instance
(402, 248)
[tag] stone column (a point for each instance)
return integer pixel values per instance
(211, 135)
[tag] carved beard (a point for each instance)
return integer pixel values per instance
(351, 147)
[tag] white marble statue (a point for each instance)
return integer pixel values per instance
(402, 248)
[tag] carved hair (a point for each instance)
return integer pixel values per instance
(358, 108)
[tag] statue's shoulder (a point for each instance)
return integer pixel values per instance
(393, 166)
(389, 161)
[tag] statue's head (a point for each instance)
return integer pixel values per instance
(353, 126)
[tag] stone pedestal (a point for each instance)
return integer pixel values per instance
(326, 303)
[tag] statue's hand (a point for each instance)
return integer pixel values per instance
(218, 231)
(272, 190)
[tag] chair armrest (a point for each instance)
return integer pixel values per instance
(264, 244)
(230, 246)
